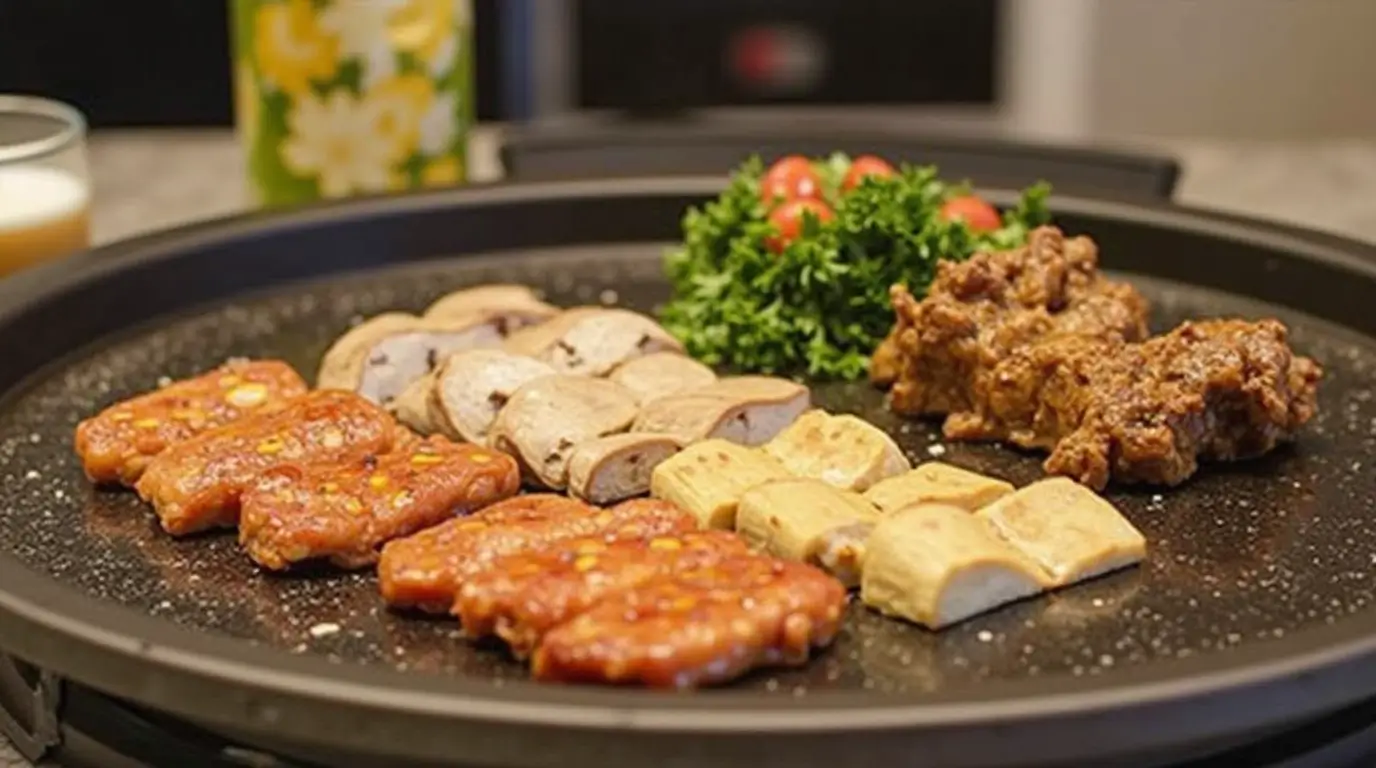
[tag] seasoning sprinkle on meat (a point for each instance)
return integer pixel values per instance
(698, 627)
(521, 597)
(345, 512)
(116, 445)
(425, 571)
(978, 311)
(196, 484)
(1035, 347)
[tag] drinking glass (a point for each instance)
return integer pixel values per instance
(45, 188)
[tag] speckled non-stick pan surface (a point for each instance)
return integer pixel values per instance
(1252, 566)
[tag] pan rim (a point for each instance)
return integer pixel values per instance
(39, 615)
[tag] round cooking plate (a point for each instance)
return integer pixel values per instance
(1251, 611)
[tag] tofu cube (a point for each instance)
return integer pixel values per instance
(1072, 532)
(937, 483)
(937, 565)
(843, 451)
(708, 479)
(790, 518)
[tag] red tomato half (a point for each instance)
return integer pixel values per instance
(788, 220)
(862, 166)
(791, 178)
(976, 213)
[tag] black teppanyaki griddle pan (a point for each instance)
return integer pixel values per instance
(1252, 612)
(700, 144)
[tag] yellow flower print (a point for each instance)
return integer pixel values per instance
(290, 46)
(335, 140)
(423, 27)
(400, 103)
(246, 104)
(360, 27)
(442, 172)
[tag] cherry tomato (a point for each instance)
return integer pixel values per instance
(788, 220)
(862, 166)
(791, 178)
(975, 212)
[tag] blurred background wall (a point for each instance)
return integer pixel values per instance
(1062, 68)
(1264, 69)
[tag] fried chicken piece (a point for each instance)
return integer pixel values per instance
(698, 627)
(1217, 390)
(345, 512)
(978, 311)
(116, 445)
(1034, 347)
(521, 597)
(426, 570)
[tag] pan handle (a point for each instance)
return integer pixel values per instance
(701, 146)
(46, 717)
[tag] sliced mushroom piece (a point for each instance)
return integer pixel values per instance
(537, 340)
(548, 417)
(415, 406)
(472, 387)
(662, 373)
(381, 357)
(516, 306)
(617, 467)
(601, 342)
(749, 410)
(591, 341)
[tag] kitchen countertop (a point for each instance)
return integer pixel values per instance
(149, 180)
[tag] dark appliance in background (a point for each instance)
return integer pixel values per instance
(166, 62)
(674, 54)
(148, 62)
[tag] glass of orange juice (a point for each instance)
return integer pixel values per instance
(45, 189)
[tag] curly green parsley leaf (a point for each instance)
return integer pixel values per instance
(822, 305)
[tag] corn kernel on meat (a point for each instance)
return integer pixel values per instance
(116, 445)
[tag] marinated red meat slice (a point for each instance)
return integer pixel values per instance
(521, 597)
(116, 444)
(425, 571)
(698, 627)
(345, 512)
(196, 484)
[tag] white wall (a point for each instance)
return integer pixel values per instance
(1263, 69)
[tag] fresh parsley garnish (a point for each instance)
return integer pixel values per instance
(822, 305)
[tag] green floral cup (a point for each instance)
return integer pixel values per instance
(343, 97)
